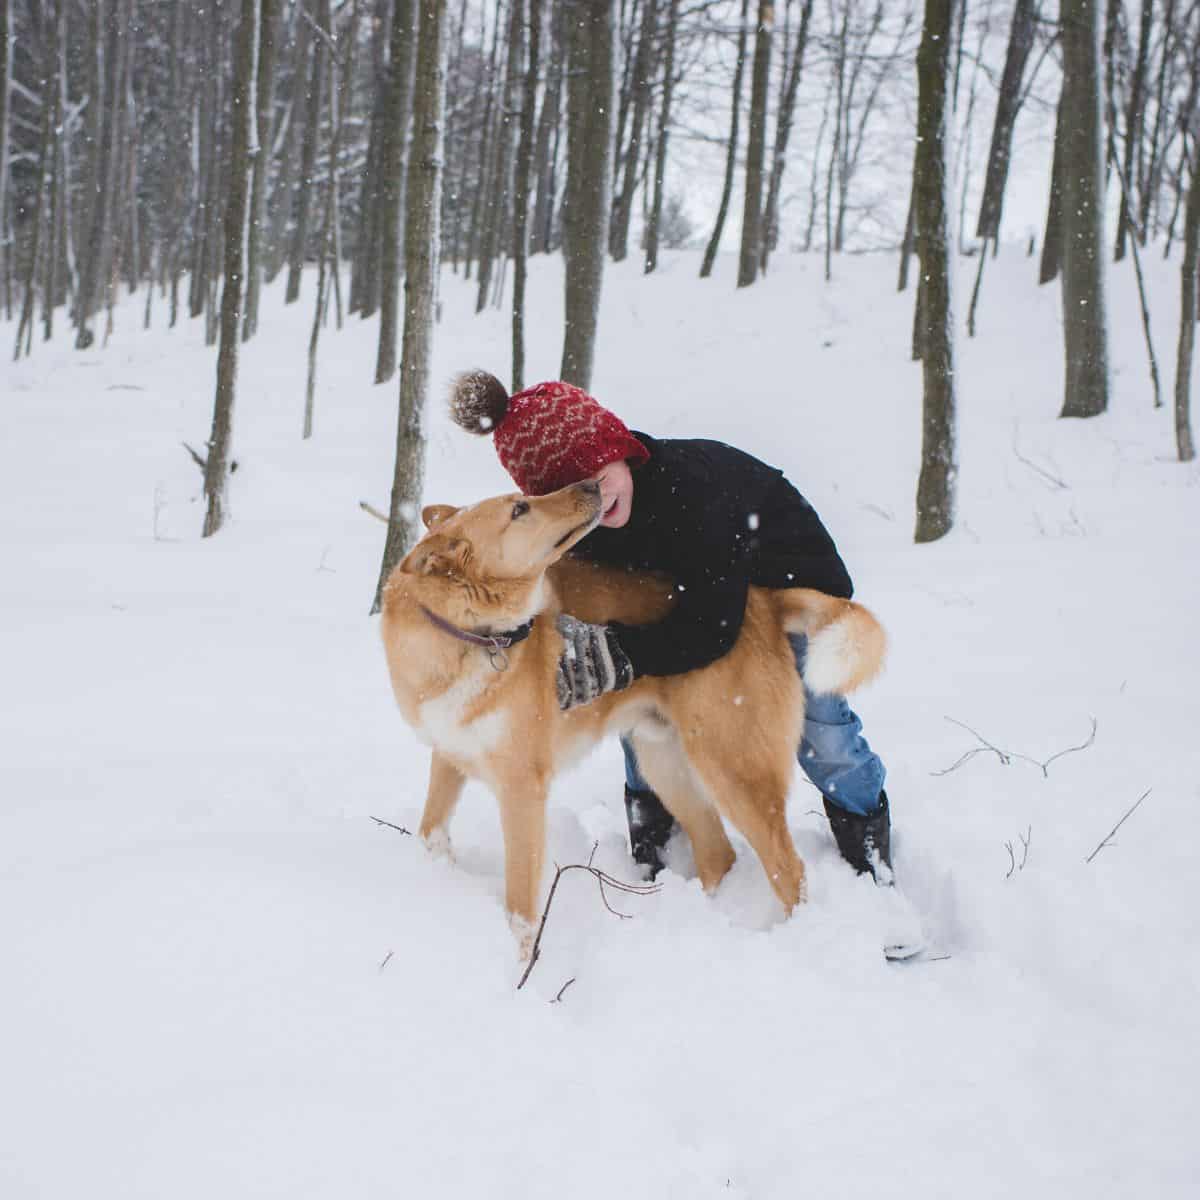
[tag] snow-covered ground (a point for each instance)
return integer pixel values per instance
(221, 979)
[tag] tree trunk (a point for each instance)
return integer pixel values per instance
(521, 190)
(308, 163)
(939, 455)
(6, 63)
(1084, 308)
(1134, 117)
(1052, 239)
(756, 147)
(783, 133)
(640, 85)
(242, 152)
(262, 164)
(421, 256)
(1008, 103)
(545, 159)
(1148, 184)
(664, 129)
(498, 186)
(590, 86)
(1188, 315)
(394, 126)
(714, 242)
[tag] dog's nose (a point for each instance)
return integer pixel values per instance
(590, 486)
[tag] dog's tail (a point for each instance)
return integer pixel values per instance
(846, 644)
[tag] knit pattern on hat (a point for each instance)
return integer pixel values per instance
(554, 434)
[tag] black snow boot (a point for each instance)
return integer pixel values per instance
(650, 825)
(865, 842)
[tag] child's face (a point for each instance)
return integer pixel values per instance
(616, 493)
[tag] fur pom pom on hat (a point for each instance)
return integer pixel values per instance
(547, 436)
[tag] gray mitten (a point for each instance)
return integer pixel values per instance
(592, 663)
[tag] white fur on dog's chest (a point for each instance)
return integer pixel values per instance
(440, 720)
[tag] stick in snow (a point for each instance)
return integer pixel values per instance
(1108, 839)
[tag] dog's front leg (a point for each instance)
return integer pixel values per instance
(523, 817)
(445, 786)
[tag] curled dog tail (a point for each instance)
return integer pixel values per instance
(846, 644)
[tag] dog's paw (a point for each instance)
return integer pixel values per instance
(437, 842)
(524, 932)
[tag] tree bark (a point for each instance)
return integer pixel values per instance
(1134, 117)
(640, 85)
(783, 133)
(664, 130)
(308, 162)
(242, 152)
(1084, 308)
(756, 147)
(499, 185)
(1008, 103)
(714, 242)
(6, 65)
(521, 189)
(939, 456)
(422, 235)
(262, 163)
(549, 119)
(1188, 315)
(394, 126)
(592, 30)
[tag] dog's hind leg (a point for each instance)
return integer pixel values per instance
(753, 796)
(667, 770)
(445, 787)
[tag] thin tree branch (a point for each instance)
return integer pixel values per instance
(398, 828)
(632, 889)
(1108, 839)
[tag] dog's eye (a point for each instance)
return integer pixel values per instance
(519, 509)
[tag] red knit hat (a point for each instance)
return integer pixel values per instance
(548, 435)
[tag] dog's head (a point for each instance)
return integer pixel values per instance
(494, 554)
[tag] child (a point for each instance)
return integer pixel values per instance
(715, 520)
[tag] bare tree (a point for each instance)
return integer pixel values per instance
(1084, 309)
(397, 97)
(1189, 312)
(1135, 120)
(756, 147)
(268, 20)
(243, 150)
(664, 130)
(590, 86)
(422, 234)
(783, 132)
(521, 189)
(640, 89)
(939, 455)
(714, 242)
(308, 154)
(6, 66)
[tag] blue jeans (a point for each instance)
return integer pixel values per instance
(833, 752)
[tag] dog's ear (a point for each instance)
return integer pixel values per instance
(437, 555)
(435, 514)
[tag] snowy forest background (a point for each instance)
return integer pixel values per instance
(196, 152)
(244, 245)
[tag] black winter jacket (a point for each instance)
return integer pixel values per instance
(716, 520)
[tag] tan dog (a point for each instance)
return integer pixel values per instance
(720, 741)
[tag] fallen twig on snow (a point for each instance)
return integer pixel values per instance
(1108, 839)
(603, 879)
(1053, 480)
(1006, 756)
(370, 508)
(558, 999)
(1013, 865)
(387, 959)
(398, 828)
